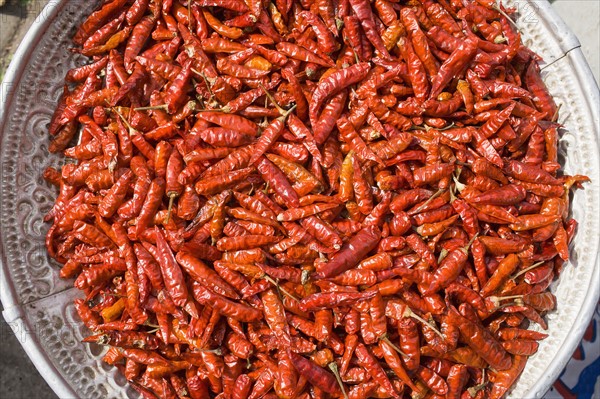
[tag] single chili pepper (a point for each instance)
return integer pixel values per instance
(448, 270)
(271, 174)
(296, 52)
(432, 380)
(506, 267)
(226, 307)
(362, 190)
(299, 213)
(215, 184)
(145, 357)
(419, 41)
(480, 340)
(294, 152)
(333, 84)
(500, 246)
(457, 61)
(325, 300)
(315, 374)
(322, 231)
(506, 195)
(172, 274)
(275, 318)
(245, 242)
(230, 121)
(530, 173)
(327, 43)
(268, 136)
(541, 97)
(416, 69)
(504, 379)
(351, 253)
(204, 275)
(140, 33)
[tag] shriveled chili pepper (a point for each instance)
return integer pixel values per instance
(369, 362)
(333, 84)
(350, 254)
(172, 275)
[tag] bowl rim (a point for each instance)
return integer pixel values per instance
(13, 310)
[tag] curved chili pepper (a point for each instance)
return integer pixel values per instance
(333, 84)
(481, 341)
(504, 379)
(362, 9)
(231, 309)
(173, 277)
(351, 253)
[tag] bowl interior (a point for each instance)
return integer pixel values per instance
(39, 305)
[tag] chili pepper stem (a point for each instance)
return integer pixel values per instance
(112, 165)
(305, 277)
(497, 299)
(356, 59)
(474, 389)
(434, 196)
(270, 97)
(224, 109)
(300, 74)
(466, 247)
(113, 109)
(458, 185)
(503, 298)
(206, 81)
(555, 116)
(505, 15)
(172, 197)
(409, 313)
(527, 269)
(500, 39)
(385, 338)
(209, 81)
(189, 14)
(280, 288)
(334, 369)
(443, 254)
(151, 108)
(216, 351)
(450, 126)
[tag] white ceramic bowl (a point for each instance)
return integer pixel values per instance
(38, 305)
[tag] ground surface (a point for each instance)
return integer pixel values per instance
(18, 377)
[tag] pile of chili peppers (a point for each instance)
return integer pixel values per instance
(310, 199)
